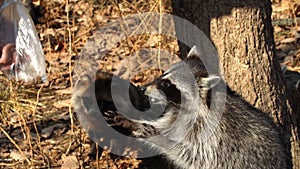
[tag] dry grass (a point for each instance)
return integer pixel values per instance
(38, 127)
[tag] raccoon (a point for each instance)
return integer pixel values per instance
(195, 132)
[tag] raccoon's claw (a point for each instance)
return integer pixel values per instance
(113, 118)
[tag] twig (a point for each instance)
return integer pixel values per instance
(159, 34)
(286, 22)
(15, 144)
(33, 116)
(70, 70)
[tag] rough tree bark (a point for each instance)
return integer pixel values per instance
(242, 33)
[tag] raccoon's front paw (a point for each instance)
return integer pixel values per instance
(137, 129)
(114, 118)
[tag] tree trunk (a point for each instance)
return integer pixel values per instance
(243, 35)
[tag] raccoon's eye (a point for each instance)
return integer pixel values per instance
(165, 84)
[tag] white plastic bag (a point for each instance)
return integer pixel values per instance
(21, 52)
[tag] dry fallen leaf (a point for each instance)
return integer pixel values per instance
(69, 162)
(288, 40)
(16, 155)
(46, 132)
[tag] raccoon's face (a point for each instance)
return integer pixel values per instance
(162, 91)
(176, 86)
(185, 83)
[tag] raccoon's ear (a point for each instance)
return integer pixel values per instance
(209, 82)
(193, 52)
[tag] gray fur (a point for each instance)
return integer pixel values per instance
(194, 135)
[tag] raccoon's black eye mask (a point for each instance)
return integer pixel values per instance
(165, 84)
(170, 90)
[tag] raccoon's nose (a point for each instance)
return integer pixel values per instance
(143, 89)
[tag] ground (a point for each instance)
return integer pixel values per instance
(39, 128)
